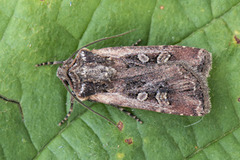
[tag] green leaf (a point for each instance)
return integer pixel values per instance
(37, 31)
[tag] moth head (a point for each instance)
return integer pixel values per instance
(62, 72)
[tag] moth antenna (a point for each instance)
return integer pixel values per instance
(69, 112)
(99, 40)
(74, 96)
(130, 114)
(49, 63)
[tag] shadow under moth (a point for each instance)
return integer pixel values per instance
(167, 79)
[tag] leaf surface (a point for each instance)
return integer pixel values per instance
(37, 31)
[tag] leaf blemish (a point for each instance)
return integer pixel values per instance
(128, 141)
(120, 125)
(237, 39)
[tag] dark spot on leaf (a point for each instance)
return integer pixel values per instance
(128, 141)
(120, 125)
(237, 39)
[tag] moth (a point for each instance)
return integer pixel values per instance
(167, 79)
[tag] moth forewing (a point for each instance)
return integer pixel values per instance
(171, 88)
(199, 59)
(156, 78)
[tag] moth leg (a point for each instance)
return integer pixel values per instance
(49, 63)
(129, 114)
(136, 43)
(69, 113)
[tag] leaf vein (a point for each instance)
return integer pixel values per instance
(214, 141)
(96, 135)
(151, 21)
(89, 21)
(206, 24)
(9, 21)
(70, 145)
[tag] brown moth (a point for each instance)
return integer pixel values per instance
(167, 79)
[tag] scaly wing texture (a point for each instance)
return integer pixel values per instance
(199, 59)
(185, 91)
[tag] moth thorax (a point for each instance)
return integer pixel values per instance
(96, 73)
